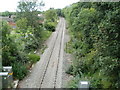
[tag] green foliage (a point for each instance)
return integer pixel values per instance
(28, 23)
(31, 36)
(17, 43)
(95, 42)
(10, 52)
(51, 15)
(28, 9)
(68, 47)
(73, 83)
(45, 34)
(19, 70)
(50, 26)
(50, 20)
(7, 13)
(26, 38)
(59, 13)
(33, 58)
(22, 24)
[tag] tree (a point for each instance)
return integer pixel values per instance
(10, 52)
(29, 10)
(51, 15)
(27, 20)
(22, 24)
(59, 12)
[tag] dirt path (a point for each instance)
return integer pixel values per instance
(47, 73)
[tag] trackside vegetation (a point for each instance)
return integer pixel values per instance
(95, 43)
(50, 19)
(19, 45)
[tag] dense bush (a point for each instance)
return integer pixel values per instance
(49, 26)
(10, 48)
(33, 58)
(50, 20)
(95, 42)
(13, 51)
(16, 46)
(18, 43)
(19, 70)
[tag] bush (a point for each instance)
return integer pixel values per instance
(95, 42)
(33, 58)
(49, 26)
(19, 70)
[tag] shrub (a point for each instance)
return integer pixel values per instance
(33, 58)
(95, 42)
(19, 70)
(50, 26)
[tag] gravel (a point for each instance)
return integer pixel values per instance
(66, 63)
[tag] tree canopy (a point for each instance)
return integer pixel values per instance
(29, 10)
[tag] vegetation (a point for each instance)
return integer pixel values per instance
(59, 13)
(29, 10)
(50, 19)
(7, 13)
(95, 43)
(19, 44)
(33, 58)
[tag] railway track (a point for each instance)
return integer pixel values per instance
(59, 36)
(47, 73)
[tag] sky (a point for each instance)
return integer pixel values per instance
(11, 5)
